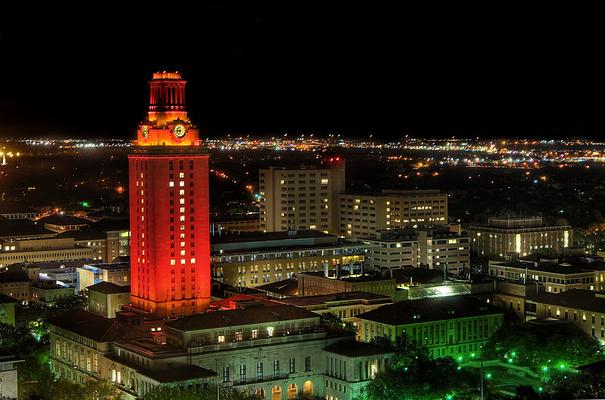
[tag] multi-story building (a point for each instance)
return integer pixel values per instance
(106, 298)
(61, 223)
(344, 305)
(95, 240)
(304, 198)
(91, 274)
(117, 237)
(15, 284)
(277, 351)
(49, 291)
(257, 258)
(555, 277)
(448, 326)
(18, 213)
(513, 297)
(169, 209)
(362, 215)
(41, 250)
(432, 248)
(350, 366)
(236, 224)
(318, 283)
(503, 237)
(585, 308)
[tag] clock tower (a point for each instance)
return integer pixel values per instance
(169, 207)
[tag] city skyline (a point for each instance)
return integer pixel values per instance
(283, 202)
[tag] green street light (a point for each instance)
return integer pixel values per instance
(459, 358)
(449, 397)
(488, 375)
(544, 368)
(513, 354)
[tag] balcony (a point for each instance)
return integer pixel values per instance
(265, 378)
(279, 336)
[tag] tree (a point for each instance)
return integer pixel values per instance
(230, 393)
(414, 375)
(66, 390)
(332, 320)
(175, 393)
(542, 348)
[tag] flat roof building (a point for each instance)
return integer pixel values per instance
(364, 214)
(584, 308)
(448, 326)
(301, 198)
(431, 248)
(503, 237)
(256, 258)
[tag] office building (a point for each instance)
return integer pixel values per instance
(519, 237)
(431, 248)
(362, 215)
(41, 250)
(556, 277)
(257, 258)
(303, 198)
(169, 210)
(448, 326)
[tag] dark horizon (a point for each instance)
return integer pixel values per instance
(274, 69)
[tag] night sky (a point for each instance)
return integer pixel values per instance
(306, 67)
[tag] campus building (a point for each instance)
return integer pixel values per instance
(556, 277)
(448, 326)
(516, 236)
(585, 308)
(362, 215)
(278, 351)
(431, 248)
(302, 198)
(169, 210)
(41, 250)
(257, 258)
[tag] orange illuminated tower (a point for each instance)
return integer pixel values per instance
(169, 210)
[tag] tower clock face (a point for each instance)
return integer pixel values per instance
(145, 131)
(179, 131)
